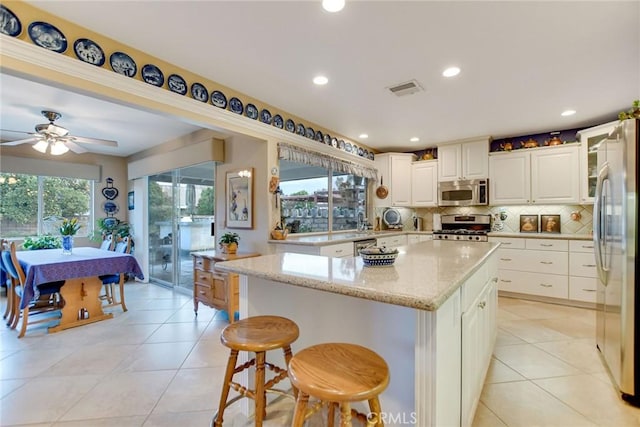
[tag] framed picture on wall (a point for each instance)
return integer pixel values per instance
(239, 199)
(528, 223)
(130, 199)
(550, 223)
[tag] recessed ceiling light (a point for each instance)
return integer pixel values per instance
(333, 5)
(320, 80)
(363, 136)
(451, 71)
(414, 139)
(568, 113)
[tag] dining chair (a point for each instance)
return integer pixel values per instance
(49, 300)
(110, 280)
(8, 282)
(108, 242)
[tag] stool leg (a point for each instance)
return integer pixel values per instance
(345, 414)
(260, 392)
(231, 366)
(331, 414)
(300, 409)
(374, 408)
(287, 358)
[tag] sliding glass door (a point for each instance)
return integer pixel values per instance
(181, 217)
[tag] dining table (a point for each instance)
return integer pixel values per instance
(80, 271)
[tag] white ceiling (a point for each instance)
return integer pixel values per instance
(523, 63)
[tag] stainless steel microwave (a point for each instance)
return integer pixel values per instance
(473, 192)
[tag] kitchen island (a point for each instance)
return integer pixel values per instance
(431, 316)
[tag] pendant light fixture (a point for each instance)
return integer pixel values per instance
(333, 5)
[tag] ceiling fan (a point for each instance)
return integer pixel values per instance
(56, 139)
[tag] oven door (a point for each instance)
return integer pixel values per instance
(457, 193)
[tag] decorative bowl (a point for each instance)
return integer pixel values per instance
(378, 256)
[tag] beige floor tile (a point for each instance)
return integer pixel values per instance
(204, 386)
(31, 363)
(531, 362)
(136, 421)
(91, 360)
(186, 314)
(499, 373)
(532, 331)
(580, 353)
(186, 419)
(149, 316)
(571, 326)
(594, 399)
(538, 310)
(522, 403)
(207, 354)
(157, 356)
(7, 386)
(176, 332)
(485, 418)
(507, 338)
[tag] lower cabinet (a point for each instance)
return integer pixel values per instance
(392, 241)
(417, 238)
(337, 250)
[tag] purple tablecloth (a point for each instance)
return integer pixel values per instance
(50, 265)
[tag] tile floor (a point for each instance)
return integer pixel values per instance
(158, 365)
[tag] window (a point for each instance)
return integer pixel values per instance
(308, 206)
(34, 205)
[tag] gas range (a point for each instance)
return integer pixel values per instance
(467, 228)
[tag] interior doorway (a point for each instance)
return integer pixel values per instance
(181, 218)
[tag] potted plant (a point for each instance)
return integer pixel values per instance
(68, 229)
(229, 243)
(632, 113)
(46, 241)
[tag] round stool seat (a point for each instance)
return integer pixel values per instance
(339, 372)
(260, 333)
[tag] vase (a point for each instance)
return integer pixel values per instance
(229, 248)
(67, 245)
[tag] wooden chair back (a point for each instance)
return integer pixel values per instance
(108, 242)
(17, 268)
(124, 245)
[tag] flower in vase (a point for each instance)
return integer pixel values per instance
(69, 227)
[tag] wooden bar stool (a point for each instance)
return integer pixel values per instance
(257, 334)
(338, 374)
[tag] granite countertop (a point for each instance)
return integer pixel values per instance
(333, 238)
(423, 276)
(558, 236)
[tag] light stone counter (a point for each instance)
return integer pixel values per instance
(333, 238)
(423, 276)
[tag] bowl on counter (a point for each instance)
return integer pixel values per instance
(374, 256)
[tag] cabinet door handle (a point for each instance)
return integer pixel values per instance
(506, 243)
(494, 280)
(589, 265)
(546, 262)
(505, 281)
(546, 245)
(544, 285)
(505, 259)
(589, 290)
(201, 292)
(587, 247)
(339, 251)
(482, 304)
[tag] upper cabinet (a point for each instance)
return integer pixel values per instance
(394, 172)
(424, 183)
(535, 176)
(589, 139)
(464, 160)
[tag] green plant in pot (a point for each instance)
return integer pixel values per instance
(46, 241)
(631, 113)
(229, 243)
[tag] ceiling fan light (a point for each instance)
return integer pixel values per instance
(333, 5)
(41, 146)
(58, 148)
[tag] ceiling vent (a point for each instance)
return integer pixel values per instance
(406, 88)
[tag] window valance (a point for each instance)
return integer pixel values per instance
(302, 155)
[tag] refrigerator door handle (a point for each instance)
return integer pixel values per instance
(599, 235)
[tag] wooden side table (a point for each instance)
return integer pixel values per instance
(213, 288)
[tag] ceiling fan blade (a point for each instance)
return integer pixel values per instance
(85, 140)
(74, 147)
(22, 141)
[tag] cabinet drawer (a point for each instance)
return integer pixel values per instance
(203, 292)
(548, 285)
(340, 250)
(508, 242)
(392, 241)
(581, 246)
(202, 277)
(583, 289)
(582, 264)
(533, 261)
(547, 244)
(203, 264)
(474, 286)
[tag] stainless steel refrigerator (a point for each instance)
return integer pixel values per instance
(615, 236)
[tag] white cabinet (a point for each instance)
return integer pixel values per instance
(338, 250)
(392, 241)
(583, 277)
(589, 138)
(536, 176)
(417, 238)
(394, 170)
(465, 160)
(424, 183)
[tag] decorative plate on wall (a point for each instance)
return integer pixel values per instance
(152, 75)
(265, 116)
(47, 36)
(327, 139)
(319, 136)
(290, 125)
(89, 52)
(110, 207)
(300, 130)
(347, 147)
(9, 22)
(236, 106)
(251, 111)
(334, 142)
(199, 92)
(218, 99)
(123, 64)
(177, 84)
(310, 133)
(278, 121)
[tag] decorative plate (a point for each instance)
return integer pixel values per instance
(290, 125)
(122, 63)
(218, 99)
(47, 36)
(371, 155)
(9, 22)
(360, 151)
(319, 136)
(354, 149)
(152, 75)
(236, 106)
(347, 147)
(341, 144)
(177, 84)
(110, 193)
(110, 207)
(265, 116)
(199, 92)
(365, 154)
(334, 142)
(310, 133)
(110, 222)
(251, 111)
(89, 52)
(300, 130)
(327, 139)
(391, 216)
(278, 121)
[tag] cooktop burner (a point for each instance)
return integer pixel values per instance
(470, 228)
